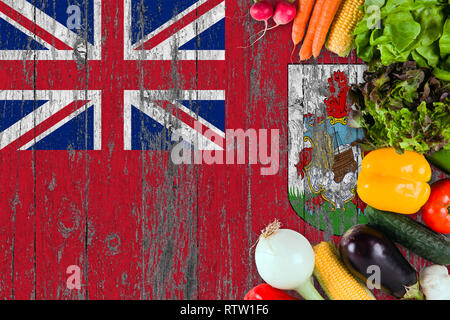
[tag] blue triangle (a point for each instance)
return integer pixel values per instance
(58, 11)
(156, 13)
(212, 38)
(212, 111)
(147, 134)
(12, 38)
(12, 111)
(72, 135)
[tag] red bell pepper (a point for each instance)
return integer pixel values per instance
(267, 292)
(435, 212)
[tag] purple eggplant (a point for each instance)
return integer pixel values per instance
(363, 249)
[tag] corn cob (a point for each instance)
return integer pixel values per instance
(340, 39)
(334, 277)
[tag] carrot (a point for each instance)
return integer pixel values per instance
(301, 20)
(329, 10)
(306, 50)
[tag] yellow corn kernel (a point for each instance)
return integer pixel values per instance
(334, 277)
(340, 39)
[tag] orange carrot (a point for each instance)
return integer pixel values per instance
(328, 11)
(306, 50)
(301, 20)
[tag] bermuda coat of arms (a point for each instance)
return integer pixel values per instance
(324, 159)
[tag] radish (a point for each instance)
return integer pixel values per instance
(284, 13)
(261, 11)
(285, 260)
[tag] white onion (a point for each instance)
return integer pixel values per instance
(285, 260)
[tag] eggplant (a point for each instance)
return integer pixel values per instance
(363, 246)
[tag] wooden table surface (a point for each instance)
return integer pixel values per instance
(137, 225)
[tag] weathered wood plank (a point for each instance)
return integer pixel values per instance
(61, 176)
(224, 215)
(115, 190)
(17, 227)
(23, 205)
(169, 228)
(236, 201)
(114, 253)
(169, 190)
(60, 222)
(223, 198)
(17, 190)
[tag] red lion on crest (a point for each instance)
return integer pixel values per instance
(337, 105)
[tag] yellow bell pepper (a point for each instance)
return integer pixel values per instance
(394, 182)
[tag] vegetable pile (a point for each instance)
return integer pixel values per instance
(366, 258)
(388, 31)
(394, 186)
(402, 30)
(315, 23)
(285, 260)
(402, 106)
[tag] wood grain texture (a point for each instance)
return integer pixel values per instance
(18, 202)
(139, 226)
(60, 222)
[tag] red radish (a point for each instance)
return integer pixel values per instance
(261, 11)
(284, 13)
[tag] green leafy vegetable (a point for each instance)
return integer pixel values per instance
(406, 30)
(444, 42)
(402, 106)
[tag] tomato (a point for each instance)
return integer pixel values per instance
(267, 292)
(435, 212)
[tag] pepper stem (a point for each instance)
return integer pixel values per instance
(308, 291)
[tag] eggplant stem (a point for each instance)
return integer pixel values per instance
(413, 292)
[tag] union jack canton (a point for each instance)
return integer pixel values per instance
(153, 30)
